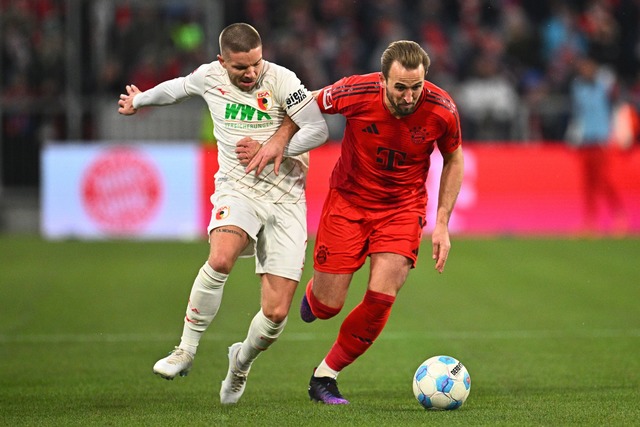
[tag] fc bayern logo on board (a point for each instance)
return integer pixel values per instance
(121, 190)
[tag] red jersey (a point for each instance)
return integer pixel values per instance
(385, 160)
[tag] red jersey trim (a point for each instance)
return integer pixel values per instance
(356, 89)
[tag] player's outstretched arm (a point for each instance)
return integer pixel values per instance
(450, 183)
(125, 103)
(166, 93)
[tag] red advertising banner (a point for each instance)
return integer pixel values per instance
(509, 189)
(541, 189)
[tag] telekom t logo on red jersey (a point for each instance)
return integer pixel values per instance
(390, 158)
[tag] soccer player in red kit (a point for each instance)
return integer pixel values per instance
(377, 199)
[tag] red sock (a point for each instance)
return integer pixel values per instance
(320, 310)
(360, 329)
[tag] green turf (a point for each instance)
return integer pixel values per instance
(549, 330)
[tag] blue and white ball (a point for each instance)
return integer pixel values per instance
(441, 382)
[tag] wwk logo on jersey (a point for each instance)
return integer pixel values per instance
(244, 113)
(264, 100)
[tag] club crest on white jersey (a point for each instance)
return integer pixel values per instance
(264, 100)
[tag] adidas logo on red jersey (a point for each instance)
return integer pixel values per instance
(371, 129)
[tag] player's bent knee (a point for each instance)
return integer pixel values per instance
(276, 315)
(221, 263)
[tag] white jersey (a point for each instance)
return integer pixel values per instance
(258, 114)
(236, 114)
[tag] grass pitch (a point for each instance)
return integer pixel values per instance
(549, 330)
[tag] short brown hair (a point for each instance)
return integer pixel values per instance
(239, 37)
(408, 53)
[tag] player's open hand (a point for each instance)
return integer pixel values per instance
(269, 152)
(125, 102)
(246, 149)
(441, 245)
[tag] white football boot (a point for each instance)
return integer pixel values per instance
(179, 361)
(233, 385)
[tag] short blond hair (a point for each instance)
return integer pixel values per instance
(239, 37)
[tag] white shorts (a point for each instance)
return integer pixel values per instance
(278, 232)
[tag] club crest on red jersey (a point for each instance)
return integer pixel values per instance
(264, 100)
(419, 135)
(322, 254)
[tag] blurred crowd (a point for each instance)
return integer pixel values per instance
(508, 63)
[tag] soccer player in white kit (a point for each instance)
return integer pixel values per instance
(253, 215)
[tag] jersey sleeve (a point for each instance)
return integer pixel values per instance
(293, 94)
(166, 93)
(172, 91)
(325, 99)
(194, 82)
(452, 137)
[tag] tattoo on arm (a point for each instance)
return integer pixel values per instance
(227, 230)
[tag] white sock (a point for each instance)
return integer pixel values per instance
(323, 370)
(204, 302)
(262, 333)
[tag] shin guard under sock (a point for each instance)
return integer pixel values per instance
(360, 329)
(262, 333)
(204, 302)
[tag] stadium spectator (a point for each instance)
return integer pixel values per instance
(253, 215)
(321, 40)
(325, 40)
(561, 35)
(32, 83)
(590, 131)
(376, 204)
(488, 101)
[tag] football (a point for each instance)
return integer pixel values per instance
(441, 382)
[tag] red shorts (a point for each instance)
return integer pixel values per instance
(347, 233)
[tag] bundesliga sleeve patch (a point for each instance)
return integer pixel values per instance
(327, 100)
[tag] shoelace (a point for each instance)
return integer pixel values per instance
(178, 356)
(238, 380)
(238, 377)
